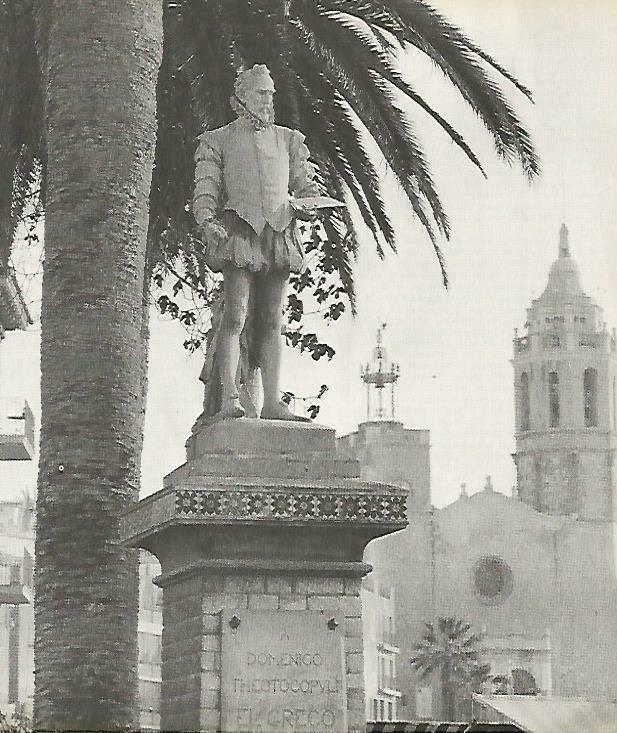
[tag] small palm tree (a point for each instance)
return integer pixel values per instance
(451, 650)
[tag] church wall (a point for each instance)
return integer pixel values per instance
(485, 525)
(585, 630)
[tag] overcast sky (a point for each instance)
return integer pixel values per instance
(453, 347)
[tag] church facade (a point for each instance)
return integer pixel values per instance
(534, 573)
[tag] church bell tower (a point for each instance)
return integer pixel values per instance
(565, 371)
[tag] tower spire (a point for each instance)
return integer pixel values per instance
(376, 375)
(564, 244)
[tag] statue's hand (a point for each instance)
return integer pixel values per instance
(213, 230)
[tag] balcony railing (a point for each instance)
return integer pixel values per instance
(389, 638)
(387, 685)
(16, 430)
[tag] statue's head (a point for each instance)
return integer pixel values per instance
(254, 91)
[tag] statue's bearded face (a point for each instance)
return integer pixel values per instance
(259, 99)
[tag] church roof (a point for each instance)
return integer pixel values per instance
(490, 506)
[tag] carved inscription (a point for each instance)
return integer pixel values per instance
(282, 672)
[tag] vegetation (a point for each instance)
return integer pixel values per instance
(449, 652)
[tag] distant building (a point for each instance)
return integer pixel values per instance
(533, 573)
(387, 451)
(16, 611)
(16, 421)
(16, 530)
(150, 626)
(565, 374)
(380, 652)
(17, 619)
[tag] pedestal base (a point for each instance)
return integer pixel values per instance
(260, 538)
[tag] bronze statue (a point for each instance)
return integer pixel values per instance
(246, 175)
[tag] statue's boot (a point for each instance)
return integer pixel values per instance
(230, 408)
(280, 411)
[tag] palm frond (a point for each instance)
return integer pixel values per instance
(334, 138)
(371, 99)
(21, 118)
(348, 61)
(458, 58)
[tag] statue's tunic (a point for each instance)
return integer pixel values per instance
(244, 177)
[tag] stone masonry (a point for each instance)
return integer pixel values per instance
(289, 539)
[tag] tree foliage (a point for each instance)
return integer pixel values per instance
(335, 66)
(334, 63)
(449, 649)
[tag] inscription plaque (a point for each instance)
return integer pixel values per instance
(282, 672)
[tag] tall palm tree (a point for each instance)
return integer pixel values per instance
(450, 649)
(99, 60)
(334, 63)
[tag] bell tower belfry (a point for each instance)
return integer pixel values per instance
(565, 372)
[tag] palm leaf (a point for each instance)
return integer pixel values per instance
(458, 57)
(21, 119)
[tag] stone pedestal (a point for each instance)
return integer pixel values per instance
(260, 536)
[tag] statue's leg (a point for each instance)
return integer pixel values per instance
(237, 286)
(270, 298)
(249, 377)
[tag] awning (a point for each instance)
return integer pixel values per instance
(536, 714)
(424, 726)
(416, 727)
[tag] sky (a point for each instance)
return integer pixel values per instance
(453, 347)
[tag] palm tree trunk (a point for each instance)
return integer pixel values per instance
(100, 62)
(447, 694)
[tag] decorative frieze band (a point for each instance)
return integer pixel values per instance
(295, 505)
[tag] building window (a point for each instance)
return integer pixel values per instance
(590, 397)
(492, 579)
(375, 709)
(524, 401)
(553, 399)
(390, 711)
